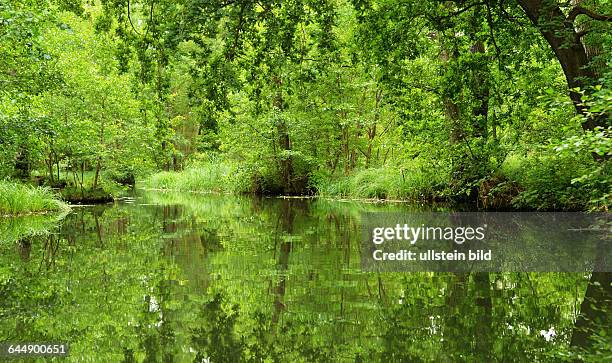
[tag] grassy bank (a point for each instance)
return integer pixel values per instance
(21, 199)
(532, 182)
(551, 182)
(526, 182)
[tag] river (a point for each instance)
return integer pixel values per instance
(206, 278)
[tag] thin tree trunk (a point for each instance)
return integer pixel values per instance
(97, 175)
(481, 91)
(49, 163)
(284, 141)
(451, 110)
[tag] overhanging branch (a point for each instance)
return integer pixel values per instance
(582, 33)
(130, 18)
(579, 10)
(460, 11)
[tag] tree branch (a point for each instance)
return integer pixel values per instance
(492, 33)
(582, 33)
(237, 30)
(461, 11)
(130, 18)
(150, 19)
(578, 10)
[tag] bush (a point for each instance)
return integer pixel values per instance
(123, 176)
(547, 180)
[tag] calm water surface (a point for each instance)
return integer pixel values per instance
(183, 278)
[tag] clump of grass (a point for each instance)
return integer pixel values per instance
(208, 177)
(411, 182)
(20, 199)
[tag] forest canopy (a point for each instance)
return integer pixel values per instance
(504, 103)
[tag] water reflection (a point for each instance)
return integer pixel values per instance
(185, 278)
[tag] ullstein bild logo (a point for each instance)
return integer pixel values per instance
(478, 241)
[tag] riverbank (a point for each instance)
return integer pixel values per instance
(20, 199)
(541, 182)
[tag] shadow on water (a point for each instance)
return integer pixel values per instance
(185, 278)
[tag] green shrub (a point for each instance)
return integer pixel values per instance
(548, 181)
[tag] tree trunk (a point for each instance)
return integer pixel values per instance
(284, 141)
(481, 91)
(560, 33)
(49, 163)
(22, 163)
(592, 50)
(346, 149)
(285, 162)
(57, 163)
(371, 131)
(451, 109)
(97, 175)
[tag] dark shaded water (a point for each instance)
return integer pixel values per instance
(183, 278)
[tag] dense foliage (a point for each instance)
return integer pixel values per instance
(506, 103)
(500, 104)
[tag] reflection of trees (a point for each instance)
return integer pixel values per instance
(464, 317)
(467, 329)
(214, 337)
(98, 229)
(25, 249)
(68, 286)
(483, 327)
(50, 250)
(595, 310)
(207, 274)
(158, 335)
(284, 227)
(210, 241)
